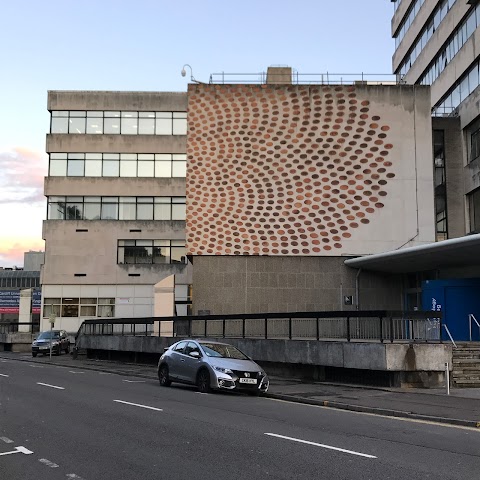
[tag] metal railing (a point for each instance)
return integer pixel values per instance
(306, 78)
(450, 335)
(375, 325)
(12, 327)
(471, 317)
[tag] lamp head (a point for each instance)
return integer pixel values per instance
(183, 72)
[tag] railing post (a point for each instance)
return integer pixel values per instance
(290, 328)
(243, 328)
(223, 327)
(391, 329)
(146, 329)
(266, 329)
(440, 326)
(123, 329)
(381, 329)
(348, 328)
(318, 330)
(103, 328)
(205, 330)
(470, 325)
(133, 329)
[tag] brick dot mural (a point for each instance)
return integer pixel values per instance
(282, 170)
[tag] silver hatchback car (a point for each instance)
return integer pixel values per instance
(211, 365)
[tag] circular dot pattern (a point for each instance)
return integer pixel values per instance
(282, 170)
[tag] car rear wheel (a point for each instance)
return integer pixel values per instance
(163, 377)
(59, 351)
(203, 381)
(67, 350)
(34, 354)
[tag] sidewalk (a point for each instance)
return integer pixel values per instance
(462, 407)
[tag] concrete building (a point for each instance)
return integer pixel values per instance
(286, 181)
(33, 261)
(438, 44)
(115, 228)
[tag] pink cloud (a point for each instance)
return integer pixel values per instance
(21, 176)
(11, 254)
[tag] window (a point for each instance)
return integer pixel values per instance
(136, 252)
(475, 145)
(179, 348)
(117, 122)
(440, 185)
(74, 307)
(132, 165)
(474, 208)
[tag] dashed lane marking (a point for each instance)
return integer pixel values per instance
(138, 405)
(329, 447)
(48, 463)
(134, 381)
(72, 475)
(51, 386)
(73, 371)
(3, 375)
(35, 366)
(6, 440)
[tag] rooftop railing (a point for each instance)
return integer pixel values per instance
(306, 78)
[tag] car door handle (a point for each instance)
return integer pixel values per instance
(182, 359)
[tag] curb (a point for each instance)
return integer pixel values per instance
(374, 410)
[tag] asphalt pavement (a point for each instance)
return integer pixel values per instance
(461, 407)
(101, 420)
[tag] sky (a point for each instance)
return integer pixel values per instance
(143, 45)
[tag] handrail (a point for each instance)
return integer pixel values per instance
(470, 317)
(450, 335)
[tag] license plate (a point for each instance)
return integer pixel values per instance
(253, 381)
(44, 348)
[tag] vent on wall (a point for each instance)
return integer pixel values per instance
(81, 230)
(80, 274)
(136, 230)
(133, 274)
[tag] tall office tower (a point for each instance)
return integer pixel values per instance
(437, 43)
(115, 228)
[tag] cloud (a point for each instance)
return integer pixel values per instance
(21, 176)
(11, 252)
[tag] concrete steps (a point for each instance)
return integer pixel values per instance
(466, 366)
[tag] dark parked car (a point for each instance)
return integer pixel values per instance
(211, 365)
(59, 340)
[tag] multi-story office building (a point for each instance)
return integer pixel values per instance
(115, 228)
(438, 44)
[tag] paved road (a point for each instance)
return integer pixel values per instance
(58, 423)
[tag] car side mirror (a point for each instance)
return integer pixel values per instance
(195, 354)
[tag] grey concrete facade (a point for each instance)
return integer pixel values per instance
(81, 258)
(227, 284)
(459, 20)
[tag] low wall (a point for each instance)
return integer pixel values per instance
(403, 364)
(16, 342)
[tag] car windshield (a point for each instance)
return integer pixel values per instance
(223, 351)
(48, 335)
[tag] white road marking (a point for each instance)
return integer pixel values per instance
(104, 373)
(4, 361)
(51, 386)
(202, 393)
(35, 366)
(73, 371)
(329, 447)
(48, 463)
(134, 381)
(3, 375)
(6, 440)
(138, 405)
(18, 450)
(72, 475)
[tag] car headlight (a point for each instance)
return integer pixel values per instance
(54, 343)
(223, 370)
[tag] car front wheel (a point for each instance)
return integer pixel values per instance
(163, 377)
(34, 354)
(203, 381)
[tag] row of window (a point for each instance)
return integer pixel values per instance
(436, 18)
(83, 307)
(159, 165)
(151, 252)
(118, 123)
(460, 36)
(440, 185)
(408, 20)
(467, 83)
(116, 208)
(19, 282)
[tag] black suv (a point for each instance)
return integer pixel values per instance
(59, 342)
